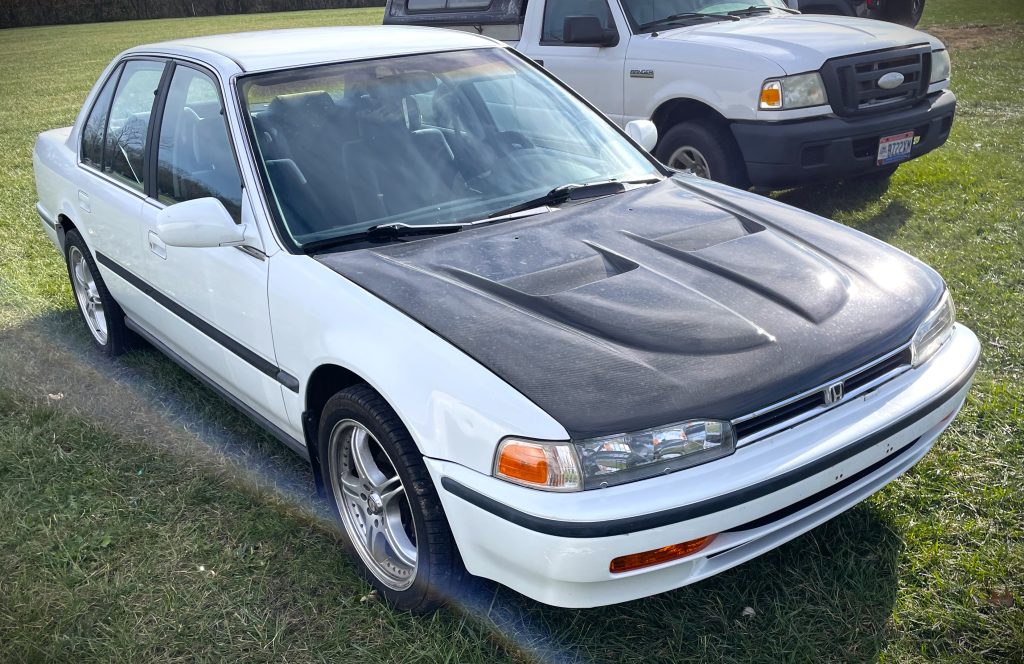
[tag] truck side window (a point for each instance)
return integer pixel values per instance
(446, 5)
(92, 134)
(555, 12)
(195, 158)
(128, 123)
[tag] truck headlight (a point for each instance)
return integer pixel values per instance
(934, 331)
(940, 66)
(799, 91)
(628, 457)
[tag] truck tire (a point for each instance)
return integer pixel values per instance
(102, 315)
(904, 12)
(706, 149)
(381, 493)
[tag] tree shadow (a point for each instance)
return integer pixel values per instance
(852, 196)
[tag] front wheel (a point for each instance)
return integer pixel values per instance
(385, 500)
(705, 149)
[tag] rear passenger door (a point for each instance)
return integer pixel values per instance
(214, 311)
(112, 154)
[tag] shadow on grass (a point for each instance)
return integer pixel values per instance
(829, 200)
(825, 596)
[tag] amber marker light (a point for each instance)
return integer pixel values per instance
(540, 465)
(771, 95)
(658, 556)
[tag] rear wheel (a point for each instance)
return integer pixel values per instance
(705, 149)
(382, 495)
(102, 315)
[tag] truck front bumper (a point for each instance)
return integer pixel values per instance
(788, 154)
(556, 548)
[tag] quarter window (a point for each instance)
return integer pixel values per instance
(555, 14)
(92, 135)
(195, 158)
(129, 121)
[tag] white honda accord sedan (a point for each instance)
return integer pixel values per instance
(509, 342)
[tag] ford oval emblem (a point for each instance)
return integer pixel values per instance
(893, 79)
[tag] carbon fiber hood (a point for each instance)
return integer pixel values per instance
(677, 300)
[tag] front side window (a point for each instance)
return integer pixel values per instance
(437, 138)
(128, 123)
(194, 157)
(555, 14)
(96, 125)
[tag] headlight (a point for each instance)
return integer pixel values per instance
(797, 91)
(940, 66)
(627, 457)
(548, 466)
(934, 331)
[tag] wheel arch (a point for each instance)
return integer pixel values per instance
(64, 226)
(680, 109)
(324, 382)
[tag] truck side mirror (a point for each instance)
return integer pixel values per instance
(588, 31)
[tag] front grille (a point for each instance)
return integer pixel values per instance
(852, 81)
(796, 409)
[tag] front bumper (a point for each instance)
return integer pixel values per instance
(556, 548)
(787, 154)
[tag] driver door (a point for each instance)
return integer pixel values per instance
(215, 313)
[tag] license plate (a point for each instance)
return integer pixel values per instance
(895, 148)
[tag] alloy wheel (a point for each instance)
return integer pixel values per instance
(690, 160)
(373, 504)
(88, 295)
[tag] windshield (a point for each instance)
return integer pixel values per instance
(439, 138)
(646, 15)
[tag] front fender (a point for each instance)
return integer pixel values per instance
(454, 408)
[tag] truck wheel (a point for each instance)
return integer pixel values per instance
(705, 149)
(382, 494)
(102, 315)
(904, 12)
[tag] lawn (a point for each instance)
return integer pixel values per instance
(145, 520)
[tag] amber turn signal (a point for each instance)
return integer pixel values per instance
(549, 466)
(657, 556)
(771, 95)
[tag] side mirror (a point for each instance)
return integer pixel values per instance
(643, 132)
(201, 222)
(588, 31)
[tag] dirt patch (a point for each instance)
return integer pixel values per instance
(972, 36)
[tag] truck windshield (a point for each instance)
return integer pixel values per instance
(650, 15)
(437, 138)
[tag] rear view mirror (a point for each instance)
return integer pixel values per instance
(588, 31)
(201, 222)
(644, 132)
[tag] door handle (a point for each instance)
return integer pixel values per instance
(157, 246)
(83, 201)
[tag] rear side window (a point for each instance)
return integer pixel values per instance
(195, 158)
(128, 123)
(96, 125)
(446, 5)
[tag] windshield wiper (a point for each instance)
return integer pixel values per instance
(383, 232)
(573, 192)
(678, 18)
(759, 9)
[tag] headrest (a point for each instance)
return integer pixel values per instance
(316, 101)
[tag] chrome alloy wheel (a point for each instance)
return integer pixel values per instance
(88, 295)
(690, 160)
(372, 503)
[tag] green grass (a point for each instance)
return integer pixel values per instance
(144, 520)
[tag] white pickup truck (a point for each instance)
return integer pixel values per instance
(746, 92)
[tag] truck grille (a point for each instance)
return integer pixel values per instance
(790, 412)
(852, 81)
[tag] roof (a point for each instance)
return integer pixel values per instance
(277, 49)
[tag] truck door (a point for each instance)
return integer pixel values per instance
(595, 71)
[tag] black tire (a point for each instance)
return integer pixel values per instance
(711, 141)
(438, 569)
(116, 338)
(904, 12)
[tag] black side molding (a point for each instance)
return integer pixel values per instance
(584, 529)
(265, 366)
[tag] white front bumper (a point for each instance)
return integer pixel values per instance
(556, 548)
